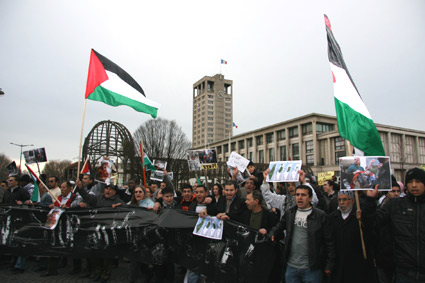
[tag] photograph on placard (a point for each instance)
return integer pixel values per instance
(53, 218)
(364, 172)
(157, 175)
(159, 164)
(242, 176)
(104, 171)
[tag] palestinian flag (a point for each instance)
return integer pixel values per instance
(108, 83)
(86, 167)
(147, 162)
(36, 193)
(354, 121)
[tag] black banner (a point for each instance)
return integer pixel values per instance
(242, 255)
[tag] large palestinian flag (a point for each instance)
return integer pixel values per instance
(108, 83)
(354, 121)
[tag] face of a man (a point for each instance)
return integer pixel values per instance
(394, 193)
(155, 187)
(302, 198)
(249, 186)
(326, 187)
(109, 192)
(3, 185)
(357, 161)
(13, 182)
(230, 191)
(64, 189)
(251, 203)
(291, 189)
(52, 183)
(162, 185)
(131, 185)
(86, 180)
(168, 198)
(187, 194)
(415, 187)
(251, 169)
(200, 194)
(345, 203)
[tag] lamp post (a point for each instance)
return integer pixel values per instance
(20, 160)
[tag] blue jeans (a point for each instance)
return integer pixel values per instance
(20, 263)
(192, 277)
(302, 275)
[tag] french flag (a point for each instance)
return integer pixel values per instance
(234, 125)
(223, 62)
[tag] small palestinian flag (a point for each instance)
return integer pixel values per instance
(108, 83)
(86, 167)
(354, 121)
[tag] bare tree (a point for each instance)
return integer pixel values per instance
(162, 139)
(56, 168)
(4, 161)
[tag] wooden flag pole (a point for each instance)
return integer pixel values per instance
(356, 194)
(143, 163)
(81, 138)
(47, 188)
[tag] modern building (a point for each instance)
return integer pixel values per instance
(212, 110)
(315, 140)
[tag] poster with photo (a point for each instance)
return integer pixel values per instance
(209, 227)
(160, 165)
(13, 170)
(242, 176)
(170, 175)
(53, 218)
(104, 170)
(364, 172)
(237, 160)
(37, 155)
(202, 159)
(157, 175)
(284, 171)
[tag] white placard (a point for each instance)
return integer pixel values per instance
(209, 227)
(284, 171)
(236, 160)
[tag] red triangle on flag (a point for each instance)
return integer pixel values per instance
(97, 74)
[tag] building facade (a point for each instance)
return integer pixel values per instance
(315, 140)
(212, 118)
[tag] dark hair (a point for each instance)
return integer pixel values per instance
(256, 195)
(220, 189)
(231, 183)
(186, 186)
(331, 183)
(310, 191)
(167, 191)
(202, 186)
(68, 184)
(25, 178)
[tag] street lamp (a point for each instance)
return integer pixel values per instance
(20, 160)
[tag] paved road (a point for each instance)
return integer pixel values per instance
(119, 274)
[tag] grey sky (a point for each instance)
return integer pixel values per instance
(276, 53)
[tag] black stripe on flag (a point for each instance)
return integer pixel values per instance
(112, 67)
(334, 52)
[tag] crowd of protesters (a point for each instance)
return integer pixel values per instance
(320, 233)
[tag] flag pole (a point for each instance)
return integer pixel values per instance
(38, 179)
(81, 138)
(356, 194)
(143, 162)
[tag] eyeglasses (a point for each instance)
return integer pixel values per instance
(343, 199)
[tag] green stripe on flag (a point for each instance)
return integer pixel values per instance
(359, 130)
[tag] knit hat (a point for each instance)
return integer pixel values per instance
(415, 173)
(250, 163)
(394, 182)
(346, 192)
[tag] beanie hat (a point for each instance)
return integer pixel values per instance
(415, 173)
(394, 182)
(346, 192)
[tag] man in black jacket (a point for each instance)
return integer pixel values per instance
(256, 216)
(309, 244)
(406, 217)
(17, 195)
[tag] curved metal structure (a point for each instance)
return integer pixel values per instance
(112, 139)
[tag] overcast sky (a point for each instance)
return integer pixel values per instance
(276, 53)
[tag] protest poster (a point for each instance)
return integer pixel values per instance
(13, 170)
(364, 172)
(203, 159)
(209, 227)
(325, 176)
(170, 175)
(157, 175)
(284, 171)
(104, 171)
(242, 176)
(160, 165)
(236, 160)
(53, 218)
(37, 155)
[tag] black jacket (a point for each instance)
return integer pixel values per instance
(236, 210)
(406, 217)
(268, 219)
(18, 193)
(320, 242)
(99, 200)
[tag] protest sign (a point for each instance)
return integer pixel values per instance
(104, 171)
(325, 176)
(157, 175)
(242, 176)
(53, 218)
(37, 155)
(284, 171)
(160, 165)
(202, 159)
(13, 170)
(236, 160)
(209, 227)
(364, 172)
(170, 175)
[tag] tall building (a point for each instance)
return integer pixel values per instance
(212, 110)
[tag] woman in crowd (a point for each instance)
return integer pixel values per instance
(140, 198)
(217, 191)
